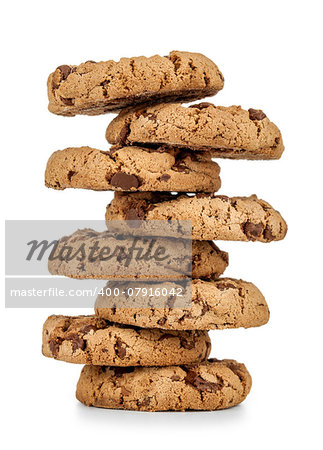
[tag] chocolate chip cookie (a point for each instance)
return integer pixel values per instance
(201, 259)
(216, 304)
(97, 87)
(92, 340)
(208, 386)
(132, 169)
(212, 216)
(229, 132)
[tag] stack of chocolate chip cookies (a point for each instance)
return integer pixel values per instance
(138, 356)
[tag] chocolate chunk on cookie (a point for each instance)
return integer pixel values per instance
(132, 169)
(97, 87)
(218, 304)
(228, 132)
(207, 386)
(93, 340)
(213, 217)
(203, 258)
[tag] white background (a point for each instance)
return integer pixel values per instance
(271, 56)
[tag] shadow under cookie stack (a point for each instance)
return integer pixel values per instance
(156, 359)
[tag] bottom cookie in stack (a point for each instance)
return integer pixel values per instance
(207, 386)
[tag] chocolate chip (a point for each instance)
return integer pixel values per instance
(120, 348)
(148, 115)
(205, 309)
(123, 135)
(256, 114)
(54, 345)
(77, 341)
(201, 105)
(175, 377)
(164, 177)
(253, 230)
(224, 286)
(186, 344)
(67, 101)
(65, 71)
(119, 371)
(166, 336)
(124, 181)
(90, 61)
(201, 195)
(268, 234)
(200, 384)
(135, 214)
(88, 328)
(70, 175)
(236, 369)
(178, 167)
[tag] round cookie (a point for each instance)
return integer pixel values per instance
(208, 386)
(207, 260)
(95, 341)
(213, 217)
(94, 88)
(230, 132)
(216, 304)
(132, 169)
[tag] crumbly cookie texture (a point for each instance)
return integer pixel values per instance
(132, 169)
(208, 386)
(207, 260)
(97, 87)
(92, 340)
(213, 216)
(229, 132)
(218, 304)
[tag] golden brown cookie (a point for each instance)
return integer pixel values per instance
(218, 304)
(228, 132)
(204, 258)
(92, 340)
(95, 88)
(208, 386)
(132, 169)
(213, 216)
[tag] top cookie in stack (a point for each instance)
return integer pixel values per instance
(95, 88)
